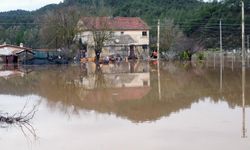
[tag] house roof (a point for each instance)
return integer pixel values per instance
(7, 50)
(14, 46)
(118, 94)
(116, 23)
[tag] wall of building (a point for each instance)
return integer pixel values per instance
(87, 36)
(136, 35)
(141, 41)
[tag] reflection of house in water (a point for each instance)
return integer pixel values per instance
(244, 130)
(11, 71)
(122, 84)
(181, 87)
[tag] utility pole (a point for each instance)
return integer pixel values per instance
(243, 68)
(158, 58)
(158, 40)
(221, 50)
(244, 130)
(243, 51)
(221, 47)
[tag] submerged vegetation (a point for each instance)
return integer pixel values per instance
(20, 120)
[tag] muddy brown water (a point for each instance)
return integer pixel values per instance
(122, 106)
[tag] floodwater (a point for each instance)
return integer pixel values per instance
(125, 106)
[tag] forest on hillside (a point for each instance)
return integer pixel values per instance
(190, 21)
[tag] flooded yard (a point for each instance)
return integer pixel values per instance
(128, 106)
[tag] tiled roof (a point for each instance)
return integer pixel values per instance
(116, 23)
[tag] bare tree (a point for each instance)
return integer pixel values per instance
(175, 42)
(60, 27)
(99, 31)
(21, 120)
(170, 35)
(99, 26)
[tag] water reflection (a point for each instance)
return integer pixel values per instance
(243, 101)
(9, 71)
(159, 78)
(221, 70)
(128, 90)
(18, 113)
(173, 101)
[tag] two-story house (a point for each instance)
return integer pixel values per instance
(126, 32)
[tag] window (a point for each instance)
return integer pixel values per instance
(144, 47)
(145, 83)
(144, 33)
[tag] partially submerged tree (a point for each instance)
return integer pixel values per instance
(100, 26)
(170, 35)
(175, 43)
(101, 36)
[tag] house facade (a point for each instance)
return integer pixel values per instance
(14, 54)
(124, 33)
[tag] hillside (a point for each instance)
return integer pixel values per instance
(197, 19)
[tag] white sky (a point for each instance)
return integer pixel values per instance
(6, 5)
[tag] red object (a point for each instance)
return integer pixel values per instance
(155, 53)
(155, 62)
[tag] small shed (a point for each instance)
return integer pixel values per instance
(15, 54)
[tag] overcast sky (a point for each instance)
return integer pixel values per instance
(6, 5)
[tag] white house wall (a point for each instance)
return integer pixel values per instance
(136, 35)
(87, 36)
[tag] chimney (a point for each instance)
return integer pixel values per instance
(21, 44)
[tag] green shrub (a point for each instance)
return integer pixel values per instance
(200, 56)
(185, 55)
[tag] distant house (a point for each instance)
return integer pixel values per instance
(126, 32)
(14, 54)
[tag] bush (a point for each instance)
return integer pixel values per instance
(185, 55)
(200, 56)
